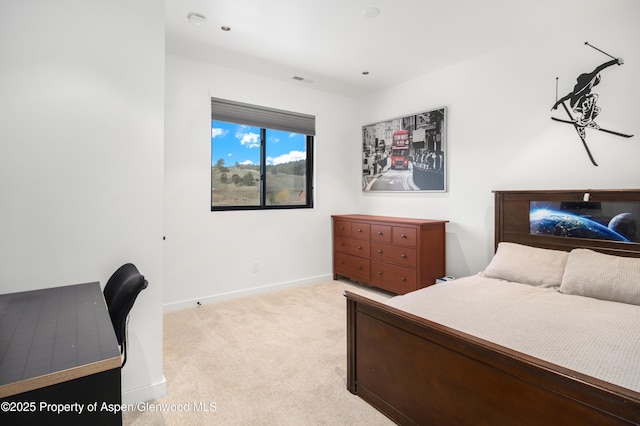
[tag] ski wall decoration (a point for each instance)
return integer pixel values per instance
(583, 101)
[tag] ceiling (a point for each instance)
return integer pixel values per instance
(330, 43)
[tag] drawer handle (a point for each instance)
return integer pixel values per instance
(403, 236)
(360, 230)
(379, 251)
(342, 228)
(359, 247)
(380, 273)
(359, 267)
(403, 256)
(403, 279)
(379, 232)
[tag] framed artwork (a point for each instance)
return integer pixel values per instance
(405, 154)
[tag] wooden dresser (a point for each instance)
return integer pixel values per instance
(396, 254)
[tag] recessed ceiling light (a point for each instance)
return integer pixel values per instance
(196, 19)
(225, 28)
(371, 12)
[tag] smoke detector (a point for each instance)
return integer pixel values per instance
(196, 19)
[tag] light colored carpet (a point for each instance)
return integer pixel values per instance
(272, 359)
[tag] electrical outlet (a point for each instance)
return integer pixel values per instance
(255, 267)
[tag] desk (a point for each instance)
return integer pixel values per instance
(57, 345)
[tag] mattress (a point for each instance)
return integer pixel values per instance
(594, 337)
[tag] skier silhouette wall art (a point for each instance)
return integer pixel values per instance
(583, 103)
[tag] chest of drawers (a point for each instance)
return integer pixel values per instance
(396, 254)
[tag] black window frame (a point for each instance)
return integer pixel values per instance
(267, 119)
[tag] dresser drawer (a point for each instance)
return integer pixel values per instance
(404, 236)
(399, 255)
(381, 233)
(341, 228)
(354, 267)
(394, 278)
(361, 231)
(352, 246)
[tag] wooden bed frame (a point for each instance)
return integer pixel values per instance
(418, 372)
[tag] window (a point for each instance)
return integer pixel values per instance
(261, 158)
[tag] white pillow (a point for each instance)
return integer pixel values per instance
(602, 276)
(529, 265)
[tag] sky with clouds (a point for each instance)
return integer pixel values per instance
(236, 143)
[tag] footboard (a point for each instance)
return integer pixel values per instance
(419, 372)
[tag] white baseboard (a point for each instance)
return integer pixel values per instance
(147, 393)
(176, 306)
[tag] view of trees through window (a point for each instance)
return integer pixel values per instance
(254, 167)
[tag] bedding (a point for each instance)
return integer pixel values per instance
(602, 276)
(528, 265)
(596, 337)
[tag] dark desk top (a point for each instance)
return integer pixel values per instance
(54, 335)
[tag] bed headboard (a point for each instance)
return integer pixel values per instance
(592, 219)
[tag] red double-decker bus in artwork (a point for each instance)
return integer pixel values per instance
(400, 150)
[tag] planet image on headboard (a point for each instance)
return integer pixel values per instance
(562, 224)
(625, 224)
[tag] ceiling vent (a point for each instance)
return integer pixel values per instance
(306, 80)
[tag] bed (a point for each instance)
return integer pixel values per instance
(541, 365)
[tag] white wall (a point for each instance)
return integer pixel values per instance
(81, 137)
(209, 255)
(500, 135)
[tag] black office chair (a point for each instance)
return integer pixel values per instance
(120, 306)
(119, 277)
